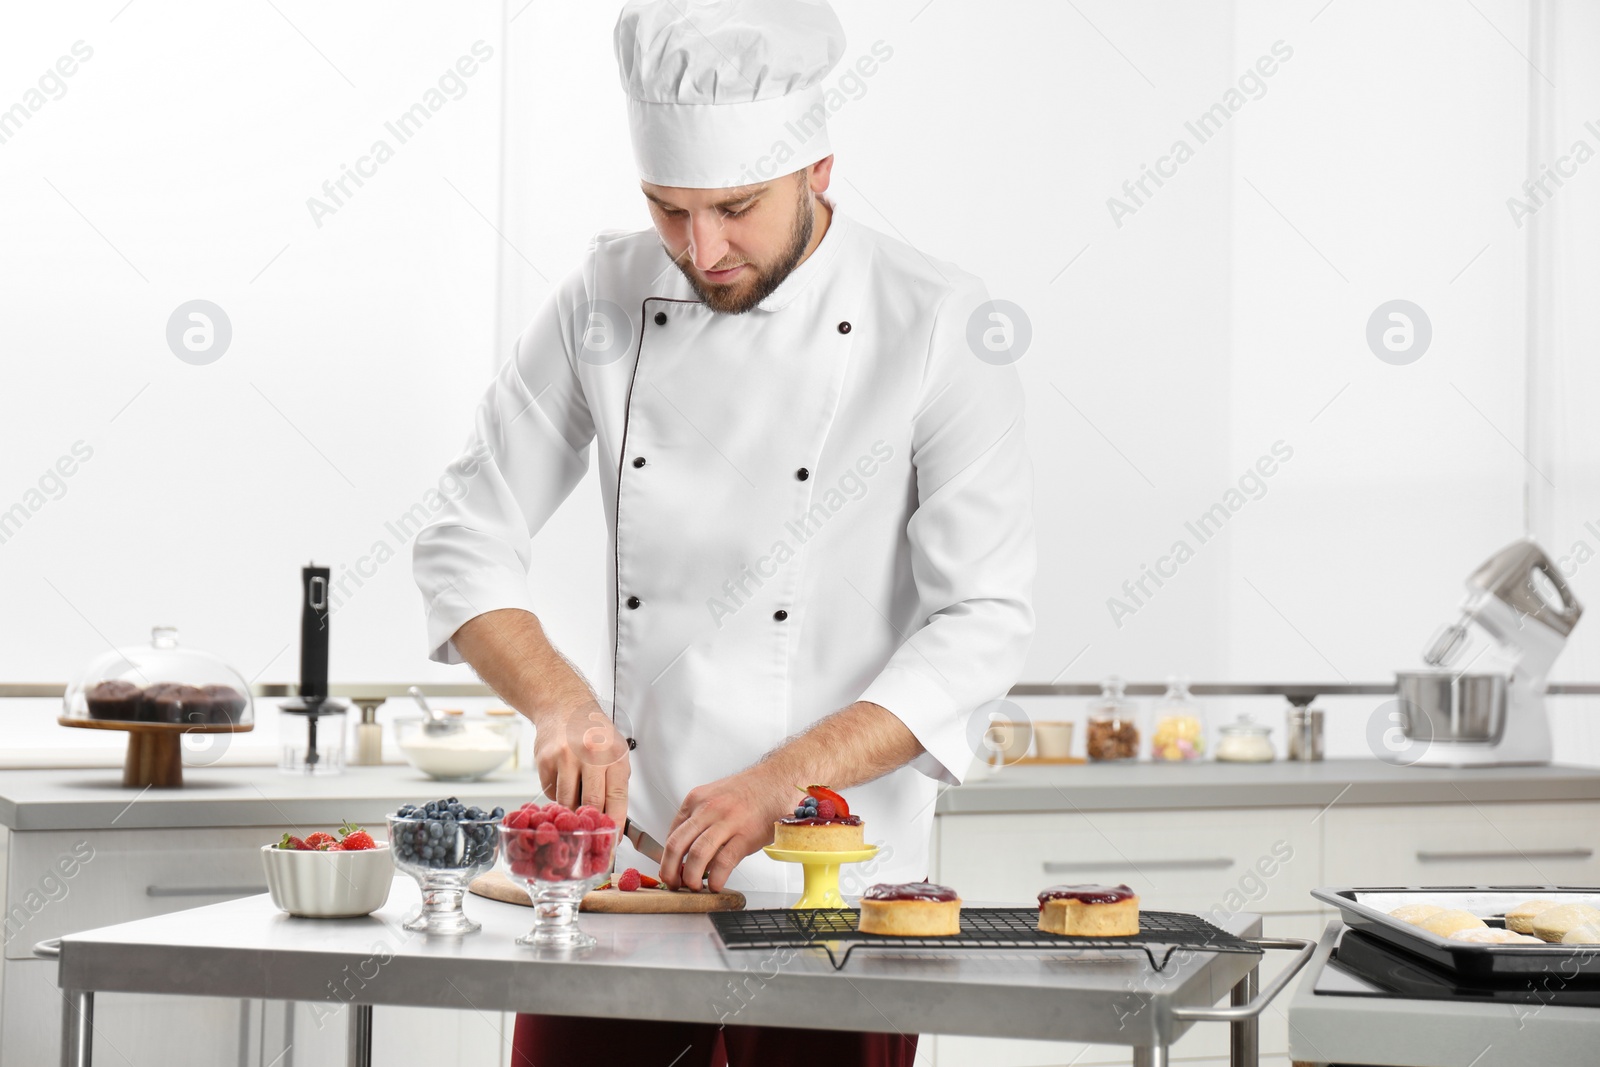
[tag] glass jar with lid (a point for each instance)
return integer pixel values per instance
(1113, 732)
(1179, 734)
(1245, 741)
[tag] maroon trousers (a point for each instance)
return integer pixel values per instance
(565, 1041)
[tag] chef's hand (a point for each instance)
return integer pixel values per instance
(720, 824)
(582, 758)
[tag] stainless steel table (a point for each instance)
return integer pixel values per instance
(669, 967)
(1401, 1032)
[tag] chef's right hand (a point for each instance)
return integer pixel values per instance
(582, 758)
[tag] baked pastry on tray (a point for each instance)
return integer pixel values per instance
(914, 909)
(1089, 910)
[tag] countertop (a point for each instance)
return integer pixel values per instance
(95, 799)
(88, 799)
(1124, 786)
(647, 967)
(1397, 1030)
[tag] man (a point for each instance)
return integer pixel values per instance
(816, 488)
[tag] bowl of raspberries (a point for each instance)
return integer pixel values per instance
(444, 845)
(338, 875)
(561, 854)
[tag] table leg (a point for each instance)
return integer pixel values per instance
(1153, 1056)
(77, 1029)
(1244, 1035)
(358, 1052)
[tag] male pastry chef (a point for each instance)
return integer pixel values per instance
(816, 488)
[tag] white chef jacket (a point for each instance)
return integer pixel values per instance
(825, 499)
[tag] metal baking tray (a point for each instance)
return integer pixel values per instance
(1367, 910)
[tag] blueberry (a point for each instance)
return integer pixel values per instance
(498, 812)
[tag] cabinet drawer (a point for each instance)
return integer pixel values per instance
(1463, 844)
(1228, 860)
(62, 881)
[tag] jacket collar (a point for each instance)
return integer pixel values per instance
(819, 264)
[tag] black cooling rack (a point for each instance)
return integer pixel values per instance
(991, 928)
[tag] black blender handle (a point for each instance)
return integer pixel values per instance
(314, 614)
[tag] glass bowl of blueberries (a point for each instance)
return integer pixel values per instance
(444, 845)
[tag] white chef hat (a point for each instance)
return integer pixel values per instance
(726, 92)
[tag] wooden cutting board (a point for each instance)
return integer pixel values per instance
(496, 886)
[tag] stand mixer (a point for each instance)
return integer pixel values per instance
(1493, 717)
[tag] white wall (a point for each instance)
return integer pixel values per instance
(1170, 351)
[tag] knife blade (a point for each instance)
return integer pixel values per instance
(647, 845)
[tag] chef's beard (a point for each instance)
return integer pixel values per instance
(737, 299)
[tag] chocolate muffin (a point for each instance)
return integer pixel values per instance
(172, 702)
(224, 703)
(117, 700)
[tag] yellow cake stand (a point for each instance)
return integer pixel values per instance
(822, 873)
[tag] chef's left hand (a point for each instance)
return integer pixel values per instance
(720, 824)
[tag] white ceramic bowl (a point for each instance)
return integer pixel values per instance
(463, 756)
(328, 885)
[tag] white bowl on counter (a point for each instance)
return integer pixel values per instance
(328, 885)
(480, 747)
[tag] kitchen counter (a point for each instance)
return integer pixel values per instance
(86, 799)
(1396, 1030)
(95, 799)
(1152, 786)
(668, 966)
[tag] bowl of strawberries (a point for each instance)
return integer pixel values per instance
(561, 854)
(338, 875)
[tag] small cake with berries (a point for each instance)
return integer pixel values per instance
(821, 823)
(915, 909)
(1089, 910)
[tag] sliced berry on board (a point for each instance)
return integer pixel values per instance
(822, 792)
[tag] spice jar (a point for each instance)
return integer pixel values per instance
(1180, 731)
(1245, 741)
(1113, 732)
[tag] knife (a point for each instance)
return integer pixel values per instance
(647, 845)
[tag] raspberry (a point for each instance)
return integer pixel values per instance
(587, 809)
(825, 809)
(588, 818)
(630, 881)
(546, 834)
(606, 822)
(517, 820)
(567, 822)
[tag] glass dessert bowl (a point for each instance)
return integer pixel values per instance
(444, 845)
(560, 855)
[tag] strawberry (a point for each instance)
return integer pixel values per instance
(822, 792)
(630, 881)
(320, 840)
(293, 844)
(358, 840)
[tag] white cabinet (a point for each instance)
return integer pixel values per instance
(1464, 844)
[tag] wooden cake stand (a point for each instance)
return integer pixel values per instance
(155, 750)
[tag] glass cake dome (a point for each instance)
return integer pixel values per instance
(160, 683)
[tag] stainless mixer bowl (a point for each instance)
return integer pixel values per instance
(1446, 706)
